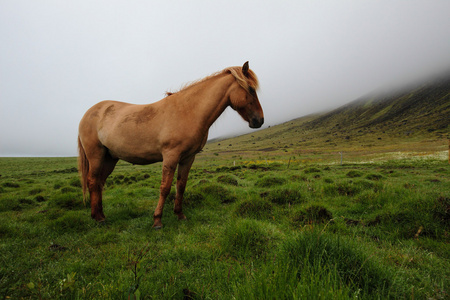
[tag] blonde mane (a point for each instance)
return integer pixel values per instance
(245, 82)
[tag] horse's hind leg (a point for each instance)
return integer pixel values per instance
(99, 169)
(183, 172)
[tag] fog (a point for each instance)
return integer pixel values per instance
(58, 58)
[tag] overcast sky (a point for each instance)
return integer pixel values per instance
(58, 58)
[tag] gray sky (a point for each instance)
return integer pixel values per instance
(58, 58)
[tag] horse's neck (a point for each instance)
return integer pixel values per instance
(208, 99)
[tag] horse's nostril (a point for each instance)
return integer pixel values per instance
(256, 122)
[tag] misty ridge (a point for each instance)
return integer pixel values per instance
(419, 97)
(417, 110)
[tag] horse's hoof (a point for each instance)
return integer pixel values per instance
(99, 218)
(157, 227)
(182, 217)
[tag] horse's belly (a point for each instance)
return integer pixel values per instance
(137, 158)
(142, 161)
(130, 145)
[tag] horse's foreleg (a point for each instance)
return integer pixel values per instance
(183, 172)
(166, 183)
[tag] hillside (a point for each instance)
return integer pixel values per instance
(391, 121)
(426, 107)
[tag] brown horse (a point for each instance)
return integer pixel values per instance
(172, 130)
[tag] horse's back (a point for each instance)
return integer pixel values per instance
(104, 108)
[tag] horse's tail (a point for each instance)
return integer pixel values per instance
(83, 168)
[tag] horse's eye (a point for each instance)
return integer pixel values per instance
(251, 90)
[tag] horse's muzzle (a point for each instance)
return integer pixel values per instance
(256, 122)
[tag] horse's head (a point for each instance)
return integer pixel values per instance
(243, 97)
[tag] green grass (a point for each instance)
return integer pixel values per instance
(256, 229)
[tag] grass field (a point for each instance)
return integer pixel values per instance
(259, 227)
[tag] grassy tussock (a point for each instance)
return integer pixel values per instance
(248, 238)
(284, 196)
(254, 208)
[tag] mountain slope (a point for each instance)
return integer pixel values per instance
(417, 113)
(424, 107)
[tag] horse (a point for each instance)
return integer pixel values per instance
(172, 130)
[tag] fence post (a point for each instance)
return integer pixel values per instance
(341, 157)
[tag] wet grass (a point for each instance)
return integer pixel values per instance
(254, 231)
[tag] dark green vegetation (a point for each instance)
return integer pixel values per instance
(255, 230)
(271, 215)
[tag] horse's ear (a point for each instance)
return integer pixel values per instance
(245, 69)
